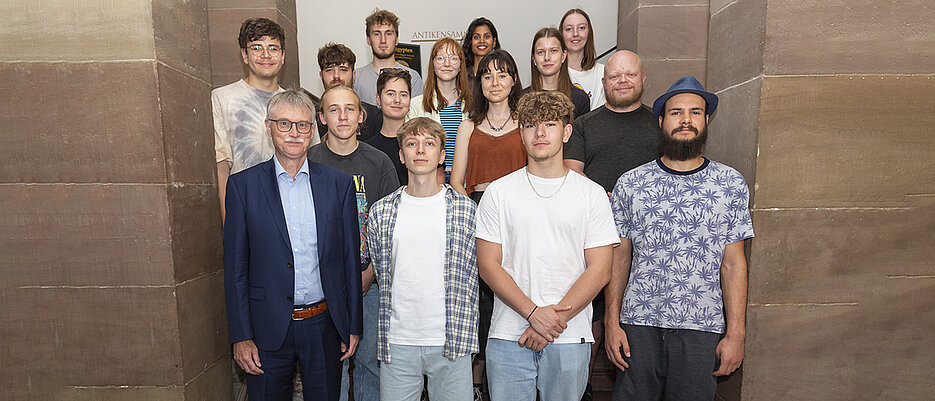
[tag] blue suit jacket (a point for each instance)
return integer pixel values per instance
(259, 278)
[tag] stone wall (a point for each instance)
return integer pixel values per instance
(825, 109)
(110, 228)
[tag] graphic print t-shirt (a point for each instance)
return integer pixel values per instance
(679, 223)
(374, 177)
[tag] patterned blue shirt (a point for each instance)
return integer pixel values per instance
(460, 271)
(679, 223)
(299, 209)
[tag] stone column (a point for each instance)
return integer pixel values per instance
(826, 109)
(112, 282)
(224, 20)
(671, 37)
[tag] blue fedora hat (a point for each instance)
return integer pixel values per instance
(686, 84)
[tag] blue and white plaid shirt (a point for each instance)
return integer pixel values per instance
(460, 275)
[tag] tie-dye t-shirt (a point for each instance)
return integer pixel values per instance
(679, 224)
(239, 133)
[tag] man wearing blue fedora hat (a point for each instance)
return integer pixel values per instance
(678, 290)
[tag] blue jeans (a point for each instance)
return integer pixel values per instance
(559, 371)
(366, 367)
(401, 380)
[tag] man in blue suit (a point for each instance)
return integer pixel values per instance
(291, 277)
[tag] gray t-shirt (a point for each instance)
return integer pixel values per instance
(611, 143)
(365, 83)
(240, 136)
(374, 177)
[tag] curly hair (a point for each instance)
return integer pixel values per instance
(256, 28)
(537, 107)
(379, 17)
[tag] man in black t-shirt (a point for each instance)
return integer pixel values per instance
(622, 134)
(393, 90)
(374, 177)
(336, 64)
(611, 140)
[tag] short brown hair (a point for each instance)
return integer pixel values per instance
(379, 17)
(421, 126)
(389, 74)
(256, 28)
(537, 107)
(335, 54)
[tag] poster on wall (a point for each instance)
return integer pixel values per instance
(408, 54)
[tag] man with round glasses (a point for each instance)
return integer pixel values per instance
(240, 139)
(291, 268)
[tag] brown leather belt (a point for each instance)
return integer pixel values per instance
(311, 311)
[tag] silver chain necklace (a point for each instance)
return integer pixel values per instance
(495, 128)
(553, 193)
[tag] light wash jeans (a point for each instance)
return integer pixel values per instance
(559, 371)
(366, 367)
(401, 380)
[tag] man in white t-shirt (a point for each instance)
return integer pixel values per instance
(422, 245)
(545, 238)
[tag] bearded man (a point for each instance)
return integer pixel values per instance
(613, 139)
(619, 136)
(678, 290)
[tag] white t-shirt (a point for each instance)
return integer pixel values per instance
(543, 242)
(590, 82)
(418, 312)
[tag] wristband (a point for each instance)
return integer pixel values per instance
(531, 312)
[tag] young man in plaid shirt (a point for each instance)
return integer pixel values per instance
(422, 244)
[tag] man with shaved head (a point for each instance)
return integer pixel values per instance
(619, 136)
(614, 138)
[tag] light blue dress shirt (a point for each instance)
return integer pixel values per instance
(299, 208)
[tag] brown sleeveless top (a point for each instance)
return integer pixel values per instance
(491, 157)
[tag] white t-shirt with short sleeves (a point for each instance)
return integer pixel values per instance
(590, 82)
(543, 242)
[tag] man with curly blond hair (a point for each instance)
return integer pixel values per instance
(545, 238)
(382, 28)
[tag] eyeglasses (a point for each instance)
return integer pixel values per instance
(451, 58)
(283, 125)
(272, 49)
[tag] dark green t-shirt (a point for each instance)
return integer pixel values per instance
(611, 143)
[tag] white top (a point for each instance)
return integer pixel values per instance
(418, 311)
(543, 242)
(590, 82)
